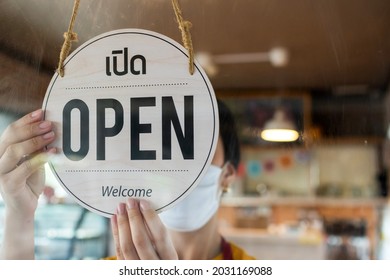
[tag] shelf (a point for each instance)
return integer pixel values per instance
(255, 201)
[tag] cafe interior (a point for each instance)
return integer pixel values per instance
(317, 68)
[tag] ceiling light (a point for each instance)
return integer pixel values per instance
(277, 57)
(279, 129)
(207, 63)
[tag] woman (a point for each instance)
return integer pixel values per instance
(187, 231)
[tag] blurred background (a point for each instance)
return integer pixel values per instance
(319, 68)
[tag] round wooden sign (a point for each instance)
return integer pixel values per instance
(131, 122)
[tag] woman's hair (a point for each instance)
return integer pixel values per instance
(228, 133)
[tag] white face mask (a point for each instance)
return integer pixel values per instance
(194, 211)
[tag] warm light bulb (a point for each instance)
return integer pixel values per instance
(280, 128)
(279, 135)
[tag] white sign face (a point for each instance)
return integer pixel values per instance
(131, 122)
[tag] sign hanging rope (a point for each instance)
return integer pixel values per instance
(184, 27)
(71, 36)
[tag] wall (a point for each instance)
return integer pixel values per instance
(342, 170)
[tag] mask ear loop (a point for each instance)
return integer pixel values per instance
(225, 173)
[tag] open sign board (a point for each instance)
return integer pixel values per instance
(131, 121)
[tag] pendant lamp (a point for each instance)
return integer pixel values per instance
(279, 128)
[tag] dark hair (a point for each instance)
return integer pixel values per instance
(228, 133)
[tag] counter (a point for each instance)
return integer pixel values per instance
(292, 210)
(266, 245)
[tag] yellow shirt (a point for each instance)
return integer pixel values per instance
(229, 251)
(237, 253)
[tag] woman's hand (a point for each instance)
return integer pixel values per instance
(139, 233)
(22, 157)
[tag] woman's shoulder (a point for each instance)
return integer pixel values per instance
(239, 253)
(235, 253)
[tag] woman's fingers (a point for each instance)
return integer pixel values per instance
(22, 139)
(115, 234)
(17, 153)
(139, 233)
(158, 233)
(22, 129)
(124, 242)
(18, 176)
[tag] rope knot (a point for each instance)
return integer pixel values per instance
(70, 36)
(185, 27)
